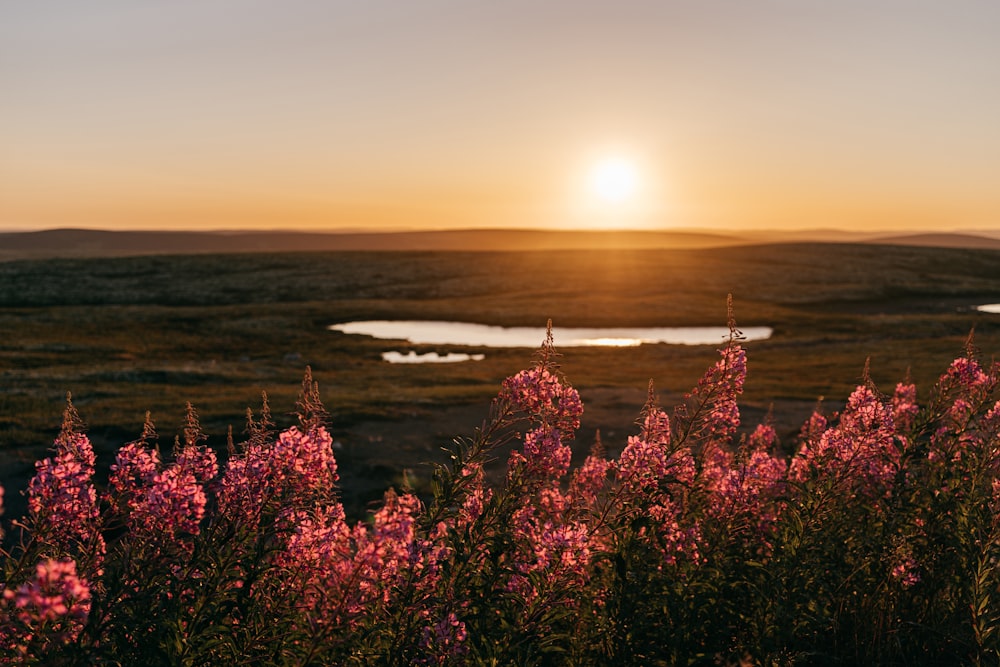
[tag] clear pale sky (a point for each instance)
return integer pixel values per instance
(212, 114)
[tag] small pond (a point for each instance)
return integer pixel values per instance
(412, 357)
(480, 335)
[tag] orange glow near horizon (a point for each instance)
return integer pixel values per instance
(440, 116)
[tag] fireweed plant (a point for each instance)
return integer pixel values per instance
(877, 543)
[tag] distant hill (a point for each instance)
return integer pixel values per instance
(941, 240)
(100, 243)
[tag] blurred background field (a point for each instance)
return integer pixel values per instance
(131, 334)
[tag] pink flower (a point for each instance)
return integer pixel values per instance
(717, 415)
(545, 453)
(963, 388)
(764, 438)
(314, 539)
(745, 492)
(811, 435)
(162, 503)
(198, 460)
(476, 497)
(306, 460)
(904, 406)
(546, 544)
(62, 502)
(133, 471)
(675, 540)
(342, 572)
(906, 569)
(394, 524)
(552, 501)
(55, 593)
(173, 504)
(966, 373)
(51, 608)
(656, 427)
(862, 450)
(641, 465)
(297, 471)
(248, 482)
(541, 394)
(589, 480)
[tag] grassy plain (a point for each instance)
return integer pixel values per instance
(131, 334)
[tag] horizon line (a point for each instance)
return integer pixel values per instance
(495, 229)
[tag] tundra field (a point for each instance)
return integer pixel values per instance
(126, 335)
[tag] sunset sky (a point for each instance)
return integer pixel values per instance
(369, 114)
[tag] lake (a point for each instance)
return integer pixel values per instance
(481, 335)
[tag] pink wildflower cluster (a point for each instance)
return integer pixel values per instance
(964, 387)
(62, 501)
(716, 415)
(547, 537)
(307, 464)
(342, 571)
(162, 502)
(589, 480)
(541, 393)
(745, 487)
(966, 373)
(173, 504)
(641, 465)
(648, 461)
(689, 538)
(658, 478)
(296, 471)
(134, 469)
(198, 461)
(49, 609)
(393, 535)
(247, 484)
(545, 454)
(549, 543)
(678, 538)
(862, 450)
(553, 408)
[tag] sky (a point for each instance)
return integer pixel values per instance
(411, 114)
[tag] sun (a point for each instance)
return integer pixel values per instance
(615, 188)
(614, 180)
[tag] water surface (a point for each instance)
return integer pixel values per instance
(481, 335)
(412, 357)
